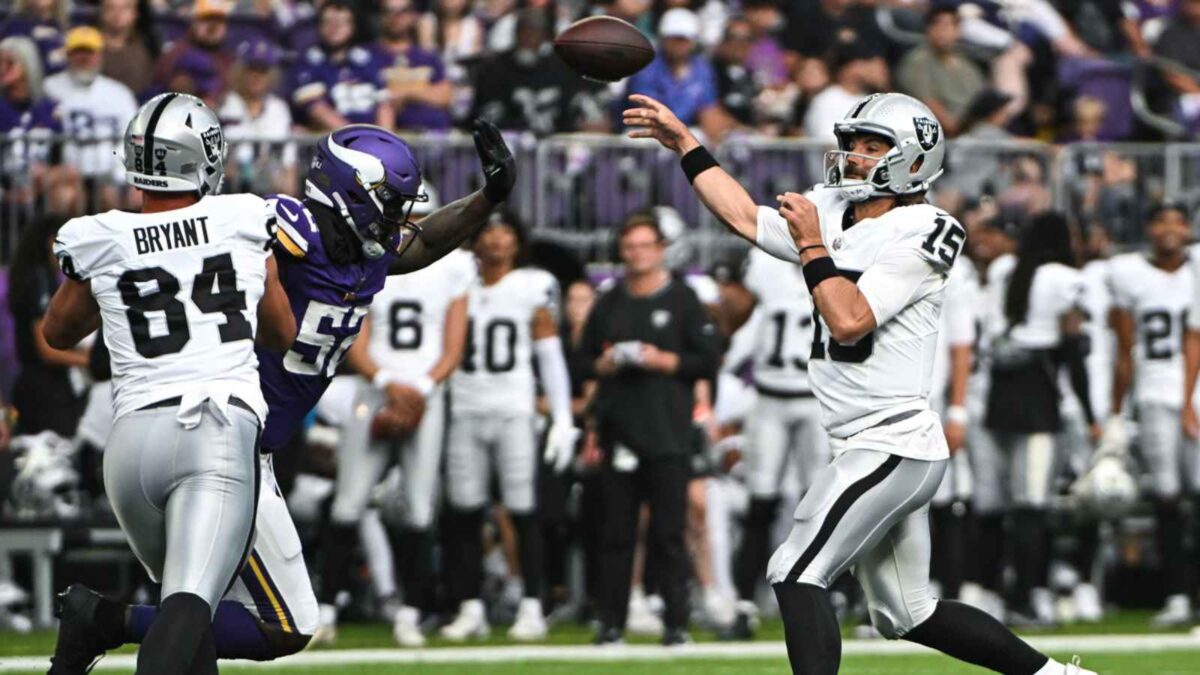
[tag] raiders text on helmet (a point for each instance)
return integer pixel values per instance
(913, 163)
(175, 144)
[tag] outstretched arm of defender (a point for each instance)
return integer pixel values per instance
(447, 228)
(720, 193)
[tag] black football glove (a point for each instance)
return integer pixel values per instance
(499, 167)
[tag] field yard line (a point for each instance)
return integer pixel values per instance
(1081, 644)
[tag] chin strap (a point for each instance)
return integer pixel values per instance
(372, 249)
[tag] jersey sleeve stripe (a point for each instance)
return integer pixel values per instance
(291, 240)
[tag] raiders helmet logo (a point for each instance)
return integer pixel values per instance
(212, 143)
(928, 132)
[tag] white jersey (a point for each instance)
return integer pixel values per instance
(496, 375)
(1158, 301)
(408, 316)
(93, 115)
(784, 336)
(178, 293)
(958, 325)
(1056, 290)
(900, 262)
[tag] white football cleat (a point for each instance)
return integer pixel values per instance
(406, 627)
(1176, 612)
(1042, 600)
(471, 622)
(642, 620)
(1087, 603)
(326, 632)
(530, 625)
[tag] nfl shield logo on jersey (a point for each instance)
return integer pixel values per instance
(928, 132)
(212, 143)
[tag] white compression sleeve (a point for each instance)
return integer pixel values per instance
(552, 366)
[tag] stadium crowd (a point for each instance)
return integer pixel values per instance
(1060, 72)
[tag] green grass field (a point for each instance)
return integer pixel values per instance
(584, 661)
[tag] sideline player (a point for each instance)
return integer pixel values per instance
(415, 334)
(173, 286)
(513, 316)
(1151, 293)
(335, 248)
(785, 426)
(875, 258)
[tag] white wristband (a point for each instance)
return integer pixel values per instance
(956, 414)
(422, 383)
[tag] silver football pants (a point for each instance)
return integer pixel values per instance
(185, 498)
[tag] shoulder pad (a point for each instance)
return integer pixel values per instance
(77, 248)
(295, 229)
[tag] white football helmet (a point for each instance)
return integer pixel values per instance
(175, 144)
(1107, 490)
(915, 134)
(46, 485)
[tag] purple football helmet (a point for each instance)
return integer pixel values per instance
(368, 175)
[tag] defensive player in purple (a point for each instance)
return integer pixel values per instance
(335, 248)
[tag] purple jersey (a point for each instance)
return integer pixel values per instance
(415, 67)
(26, 128)
(352, 86)
(329, 302)
(46, 34)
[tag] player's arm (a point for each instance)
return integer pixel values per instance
(1074, 350)
(445, 229)
(552, 368)
(73, 315)
(851, 310)
(276, 323)
(1121, 322)
(1191, 359)
(720, 193)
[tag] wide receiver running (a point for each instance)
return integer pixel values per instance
(876, 258)
(335, 249)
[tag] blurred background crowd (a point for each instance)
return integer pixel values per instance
(1083, 107)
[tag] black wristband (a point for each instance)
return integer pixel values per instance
(697, 161)
(818, 270)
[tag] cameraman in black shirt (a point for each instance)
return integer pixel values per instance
(646, 343)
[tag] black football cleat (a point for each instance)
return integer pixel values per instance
(608, 636)
(82, 640)
(676, 637)
(740, 630)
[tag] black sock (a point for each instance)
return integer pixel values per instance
(337, 552)
(1087, 543)
(529, 552)
(755, 547)
(205, 660)
(814, 641)
(948, 525)
(971, 635)
(171, 646)
(1030, 552)
(413, 553)
(987, 551)
(464, 567)
(1169, 522)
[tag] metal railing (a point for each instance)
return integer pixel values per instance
(576, 189)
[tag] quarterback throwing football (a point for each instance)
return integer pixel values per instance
(876, 258)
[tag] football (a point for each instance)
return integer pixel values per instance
(604, 48)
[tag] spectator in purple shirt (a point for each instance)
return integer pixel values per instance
(339, 82)
(43, 21)
(682, 79)
(416, 79)
(204, 44)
